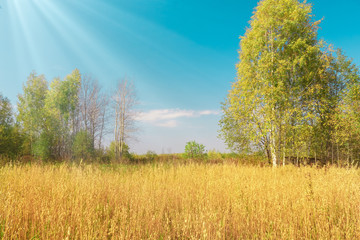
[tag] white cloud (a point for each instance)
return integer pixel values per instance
(168, 124)
(167, 117)
(209, 112)
(164, 114)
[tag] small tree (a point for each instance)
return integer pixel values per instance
(194, 150)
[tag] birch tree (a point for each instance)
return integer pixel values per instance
(31, 107)
(276, 76)
(62, 112)
(294, 95)
(93, 110)
(124, 102)
(345, 118)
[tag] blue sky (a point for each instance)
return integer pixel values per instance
(181, 55)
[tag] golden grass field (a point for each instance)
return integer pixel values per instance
(194, 201)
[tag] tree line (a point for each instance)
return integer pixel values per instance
(67, 119)
(295, 97)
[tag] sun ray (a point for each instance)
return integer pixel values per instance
(140, 30)
(77, 37)
(87, 47)
(23, 48)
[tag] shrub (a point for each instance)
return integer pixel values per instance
(82, 145)
(194, 150)
(125, 152)
(151, 155)
(214, 155)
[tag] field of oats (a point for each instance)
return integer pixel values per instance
(193, 201)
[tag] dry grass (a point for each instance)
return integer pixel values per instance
(179, 202)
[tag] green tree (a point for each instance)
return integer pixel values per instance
(50, 116)
(11, 138)
(345, 120)
(271, 102)
(62, 113)
(6, 118)
(290, 87)
(194, 150)
(31, 107)
(6, 123)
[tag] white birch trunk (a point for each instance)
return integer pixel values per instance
(273, 148)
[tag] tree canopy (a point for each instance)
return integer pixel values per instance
(289, 87)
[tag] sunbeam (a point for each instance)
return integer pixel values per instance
(21, 35)
(61, 23)
(143, 32)
(75, 36)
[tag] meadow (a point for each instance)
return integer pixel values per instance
(188, 201)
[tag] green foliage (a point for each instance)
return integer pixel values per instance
(42, 146)
(11, 138)
(151, 155)
(63, 96)
(214, 155)
(49, 116)
(83, 145)
(6, 118)
(194, 150)
(288, 88)
(31, 106)
(61, 112)
(279, 58)
(235, 134)
(112, 151)
(344, 123)
(6, 123)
